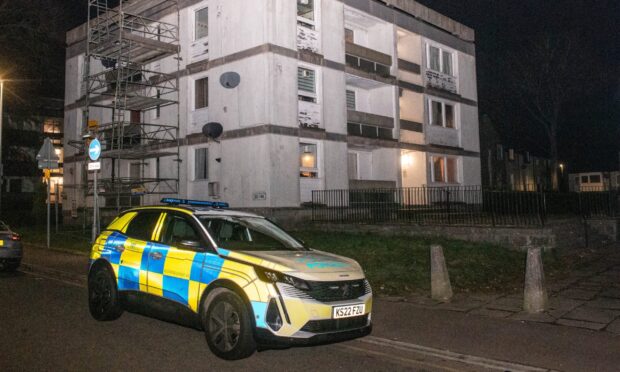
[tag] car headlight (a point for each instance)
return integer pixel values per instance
(269, 276)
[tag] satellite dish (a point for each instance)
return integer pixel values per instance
(230, 80)
(108, 62)
(213, 130)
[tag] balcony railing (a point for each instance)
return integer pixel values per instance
(368, 60)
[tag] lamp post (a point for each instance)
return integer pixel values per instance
(1, 164)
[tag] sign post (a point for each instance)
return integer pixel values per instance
(48, 160)
(94, 153)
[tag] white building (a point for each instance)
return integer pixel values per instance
(333, 95)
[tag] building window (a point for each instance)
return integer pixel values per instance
(369, 131)
(305, 13)
(445, 169)
(201, 164)
(351, 100)
(306, 81)
(440, 60)
(308, 160)
(349, 35)
(442, 114)
(201, 23)
(595, 179)
(202, 93)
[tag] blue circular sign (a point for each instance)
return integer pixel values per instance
(94, 150)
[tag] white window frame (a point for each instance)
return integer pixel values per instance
(193, 164)
(442, 49)
(194, 28)
(305, 22)
(192, 90)
(355, 105)
(455, 108)
(319, 150)
(317, 83)
(458, 170)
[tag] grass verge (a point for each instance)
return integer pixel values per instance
(401, 265)
(65, 240)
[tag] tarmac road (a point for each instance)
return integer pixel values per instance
(45, 325)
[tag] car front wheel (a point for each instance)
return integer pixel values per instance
(103, 299)
(228, 326)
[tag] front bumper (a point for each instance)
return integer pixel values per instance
(305, 320)
(267, 338)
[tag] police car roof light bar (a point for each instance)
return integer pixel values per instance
(195, 203)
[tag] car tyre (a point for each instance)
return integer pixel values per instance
(9, 267)
(103, 298)
(228, 326)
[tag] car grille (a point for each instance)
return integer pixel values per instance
(329, 291)
(335, 325)
(338, 291)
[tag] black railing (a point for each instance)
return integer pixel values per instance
(464, 206)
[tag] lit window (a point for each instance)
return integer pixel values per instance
(442, 114)
(445, 169)
(308, 160)
(202, 93)
(201, 164)
(440, 60)
(202, 23)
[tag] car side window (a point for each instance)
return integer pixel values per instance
(179, 229)
(142, 225)
(234, 235)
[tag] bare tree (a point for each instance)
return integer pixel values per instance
(545, 73)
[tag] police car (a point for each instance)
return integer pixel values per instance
(245, 280)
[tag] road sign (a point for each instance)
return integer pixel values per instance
(48, 164)
(95, 166)
(94, 150)
(47, 157)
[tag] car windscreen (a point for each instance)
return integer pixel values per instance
(249, 234)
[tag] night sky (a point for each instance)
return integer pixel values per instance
(589, 133)
(589, 136)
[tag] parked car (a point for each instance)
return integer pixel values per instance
(245, 281)
(10, 248)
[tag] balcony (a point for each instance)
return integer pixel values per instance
(368, 60)
(368, 125)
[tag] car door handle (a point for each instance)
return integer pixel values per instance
(156, 256)
(120, 248)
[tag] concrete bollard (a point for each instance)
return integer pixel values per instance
(535, 299)
(441, 289)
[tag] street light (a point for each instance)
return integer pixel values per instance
(1, 164)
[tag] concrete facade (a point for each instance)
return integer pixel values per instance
(344, 92)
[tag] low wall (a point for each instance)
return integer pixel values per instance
(511, 238)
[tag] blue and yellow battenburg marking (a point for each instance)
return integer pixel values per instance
(171, 273)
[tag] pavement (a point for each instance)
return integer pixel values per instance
(46, 326)
(588, 298)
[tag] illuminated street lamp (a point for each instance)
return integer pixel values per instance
(1, 164)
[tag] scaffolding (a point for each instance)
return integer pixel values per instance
(121, 86)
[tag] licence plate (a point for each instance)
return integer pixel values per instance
(348, 311)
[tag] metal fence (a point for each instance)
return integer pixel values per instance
(465, 206)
